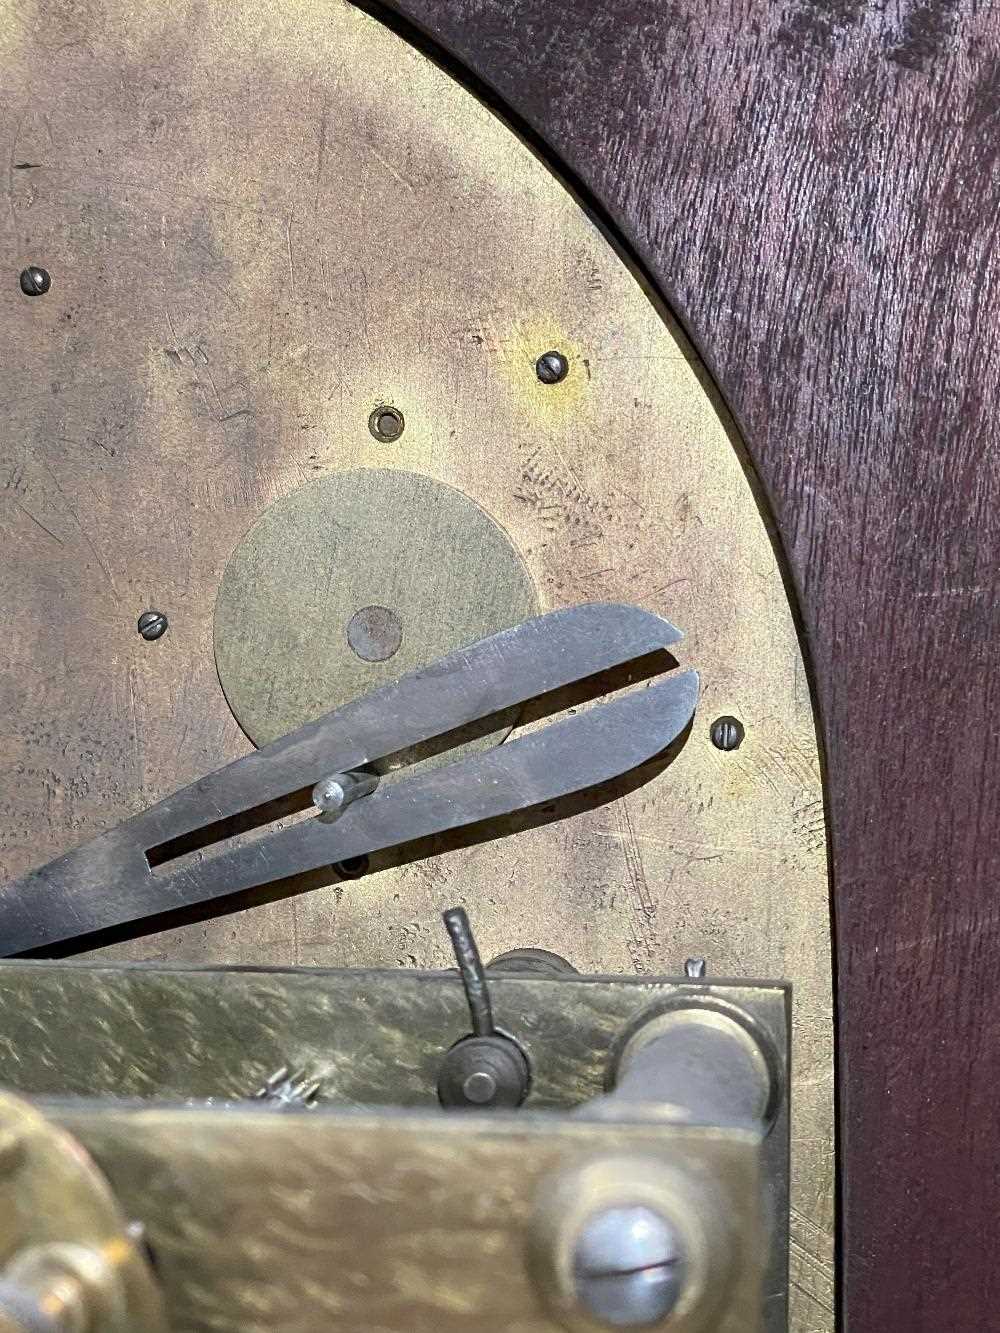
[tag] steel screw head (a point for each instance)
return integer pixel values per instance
(152, 624)
(727, 733)
(628, 1266)
(551, 367)
(328, 794)
(480, 1088)
(35, 281)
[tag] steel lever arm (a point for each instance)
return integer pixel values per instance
(110, 881)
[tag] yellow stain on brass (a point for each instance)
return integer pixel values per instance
(517, 352)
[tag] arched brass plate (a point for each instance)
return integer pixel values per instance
(262, 222)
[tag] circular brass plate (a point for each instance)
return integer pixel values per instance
(232, 297)
(52, 1194)
(351, 581)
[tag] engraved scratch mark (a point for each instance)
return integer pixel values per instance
(643, 910)
(288, 243)
(194, 356)
(811, 1274)
(326, 284)
(239, 412)
(553, 491)
(217, 286)
(566, 464)
(10, 172)
(37, 521)
(208, 371)
(390, 168)
(83, 530)
(173, 331)
(321, 153)
(136, 746)
(810, 1295)
(636, 838)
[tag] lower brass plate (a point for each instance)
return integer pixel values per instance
(405, 1224)
(233, 296)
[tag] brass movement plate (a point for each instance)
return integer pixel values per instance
(232, 296)
(290, 637)
(368, 1038)
(208, 1035)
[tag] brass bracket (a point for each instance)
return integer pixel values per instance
(376, 1204)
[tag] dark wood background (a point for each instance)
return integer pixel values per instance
(815, 187)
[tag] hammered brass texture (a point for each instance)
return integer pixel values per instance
(366, 1038)
(370, 1038)
(350, 540)
(404, 1224)
(261, 221)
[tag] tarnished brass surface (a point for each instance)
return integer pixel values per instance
(57, 1215)
(407, 1223)
(261, 221)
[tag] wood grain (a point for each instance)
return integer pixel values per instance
(815, 187)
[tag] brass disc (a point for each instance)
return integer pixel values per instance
(54, 1199)
(351, 581)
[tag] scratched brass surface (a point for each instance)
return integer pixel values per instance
(261, 221)
(263, 1221)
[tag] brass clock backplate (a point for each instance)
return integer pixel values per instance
(262, 224)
